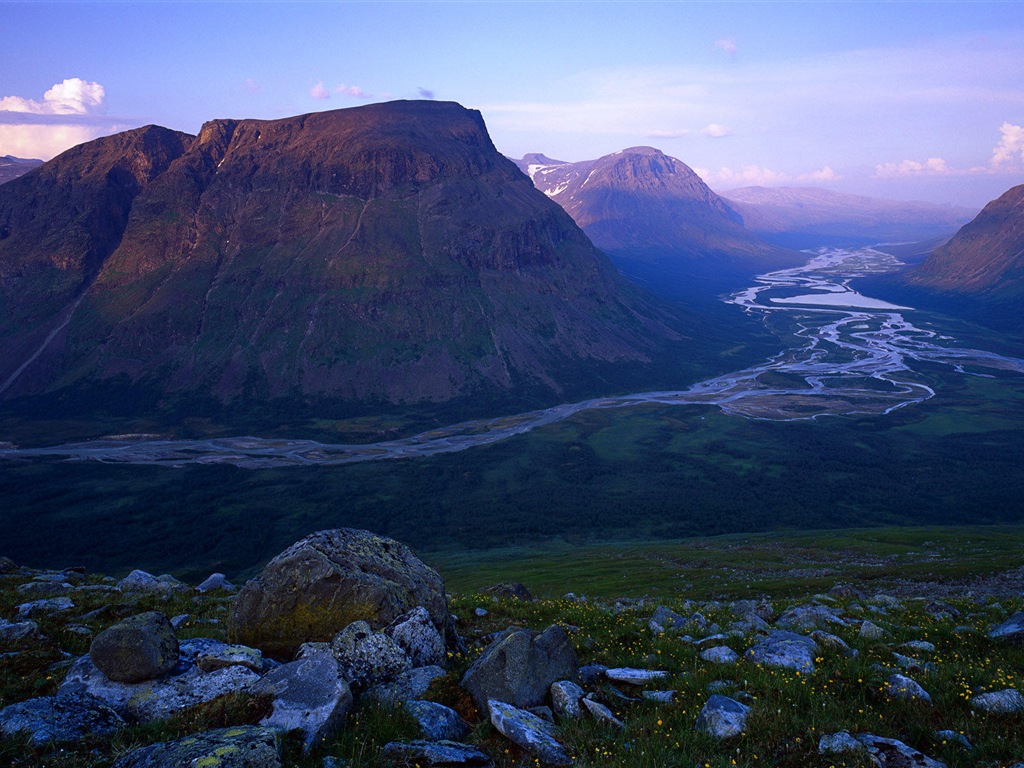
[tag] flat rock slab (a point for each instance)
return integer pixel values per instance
(890, 753)
(722, 717)
(902, 687)
(999, 702)
(229, 656)
(837, 743)
(530, 732)
(634, 676)
(785, 649)
(433, 754)
(1011, 630)
(59, 718)
(245, 746)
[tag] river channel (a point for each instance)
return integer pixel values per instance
(846, 354)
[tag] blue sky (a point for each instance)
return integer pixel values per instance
(907, 100)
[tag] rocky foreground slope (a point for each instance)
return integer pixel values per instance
(391, 671)
(382, 254)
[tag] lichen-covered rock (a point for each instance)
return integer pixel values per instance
(224, 655)
(902, 687)
(138, 648)
(59, 719)
(245, 746)
(871, 631)
(12, 631)
(720, 654)
(890, 753)
(140, 581)
(45, 606)
(565, 699)
(832, 642)
(409, 685)
(601, 714)
(634, 676)
(418, 636)
(999, 702)
(308, 696)
(805, 618)
(214, 582)
(367, 658)
(437, 722)
(722, 717)
(536, 736)
(328, 580)
(519, 667)
(433, 754)
(837, 743)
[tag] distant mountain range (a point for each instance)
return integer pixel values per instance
(803, 217)
(382, 254)
(13, 167)
(640, 205)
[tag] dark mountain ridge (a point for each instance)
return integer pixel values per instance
(384, 254)
(12, 167)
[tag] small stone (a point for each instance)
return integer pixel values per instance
(921, 646)
(602, 715)
(1011, 630)
(436, 721)
(658, 697)
(565, 699)
(720, 654)
(952, 737)
(871, 631)
(44, 589)
(140, 581)
(901, 687)
(592, 674)
(634, 676)
(804, 618)
(480, 612)
(138, 648)
(999, 702)
(722, 717)
(180, 620)
(18, 630)
(51, 605)
(508, 589)
(911, 664)
(785, 649)
(837, 743)
(214, 582)
(832, 643)
(528, 731)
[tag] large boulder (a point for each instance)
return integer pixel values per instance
(530, 732)
(519, 667)
(139, 648)
(722, 717)
(328, 580)
(244, 746)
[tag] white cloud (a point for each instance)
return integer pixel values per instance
(933, 166)
(716, 131)
(69, 113)
(249, 85)
(353, 91)
(319, 91)
(747, 175)
(825, 174)
(727, 45)
(425, 93)
(662, 134)
(1010, 149)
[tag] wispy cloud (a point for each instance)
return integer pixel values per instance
(352, 91)
(727, 45)
(425, 93)
(825, 174)
(716, 131)
(747, 175)
(69, 113)
(933, 166)
(320, 91)
(663, 134)
(249, 85)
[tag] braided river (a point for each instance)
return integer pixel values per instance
(847, 354)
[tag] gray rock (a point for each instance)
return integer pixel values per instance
(890, 753)
(565, 699)
(156, 699)
(722, 717)
(665, 619)
(140, 581)
(592, 674)
(751, 622)
(832, 643)
(44, 589)
(602, 715)
(530, 732)
(59, 719)
(634, 676)
(508, 589)
(658, 697)
(871, 631)
(436, 721)
(720, 654)
(952, 737)
(998, 702)
(804, 618)
(308, 696)
(911, 664)
(433, 754)
(921, 646)
(367, 658)
(180, 620)
(138, 648)
(11, 632)
(837, 743)
(327, 581)
(418, 636)
(901, 687)
(244, 746)
(1011, 630)
(519, 667)
(409, 685)
(214, 582)
(49, 605)
(543, 712)
(785, 649)
(845, 591)
(480, 612)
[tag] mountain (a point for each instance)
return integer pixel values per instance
(13, 167)
(803, 217)
(382, 254)
(640, 205)
(985, 259)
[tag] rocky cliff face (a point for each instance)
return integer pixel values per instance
(381, 254)
(985, 259)
(640, 202)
